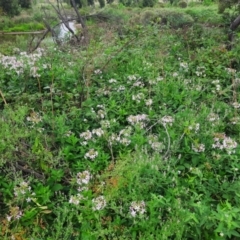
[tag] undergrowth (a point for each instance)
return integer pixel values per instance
(134, 137)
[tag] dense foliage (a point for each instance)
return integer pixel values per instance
(12, 7)
(134, 136)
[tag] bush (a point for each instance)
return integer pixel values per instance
(10, 7)
(25, 3)
(136, 3)
(176, 19)
(182, 4)
(102, 3)
(148, 3)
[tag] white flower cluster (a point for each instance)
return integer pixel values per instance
(23, 190)
(103, 92)
(230, 70)
(217, 85)
(34, 118)
(138, 84)
(101, 113)
(167, 120)
(132, 78)
(137, 207)
(19, 64)
(76, 199)
(201, 71)
(212, 117)
(155, 144)
(236, 105)
(155, 81)
(122, 137)
(112, 80)
(121, 88)
(15, 214)
(91, 154)
(235, 120)
(221, 141)
(138, 97)
(194, 127)
(99, 203)
(82, 179)
(184, 66)
(88, 135)
(139, 119)
(98, 71)
(198, 147)
(148, 102)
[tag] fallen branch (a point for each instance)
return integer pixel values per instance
(3, 98)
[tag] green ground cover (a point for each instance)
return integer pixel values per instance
(135, 136)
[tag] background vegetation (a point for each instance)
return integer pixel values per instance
(133, 135)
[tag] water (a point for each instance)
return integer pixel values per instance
(61, 31)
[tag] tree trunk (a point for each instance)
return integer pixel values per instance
(234, 25)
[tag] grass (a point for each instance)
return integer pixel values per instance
(25, 27)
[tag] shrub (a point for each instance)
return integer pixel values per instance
(10, 7)
(102, 3)
(176, 19)
(182, 4)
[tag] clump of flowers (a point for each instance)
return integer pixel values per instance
(99, 132)
(155, 144)
(138, 97)
(82, 179)
(132, 78)
(198, 148)
(140, 120)
(184, 66)
(236, 105)
(122, 138)
(137, 208)
(22, 189)
(212, 117)
(235, 120)
(99, 203)
(155, 81)
(194, 127)
(201, 71)
(86, 135)
(15, 214)
(91, 154)
(167, 120)
(22, 62)
(148, 102)
(34, 118)
(221, 141)
(76, 199)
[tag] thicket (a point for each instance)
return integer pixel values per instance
(13, 7)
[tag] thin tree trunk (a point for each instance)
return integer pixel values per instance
(234, 25)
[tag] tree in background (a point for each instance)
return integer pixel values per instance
(148, 3)
(234, 18)
(25, 3)
(90, 2)
(102, 3)
(138, 3)
(13, 7)
(10, 7)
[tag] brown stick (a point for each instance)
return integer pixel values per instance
(4, 100)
